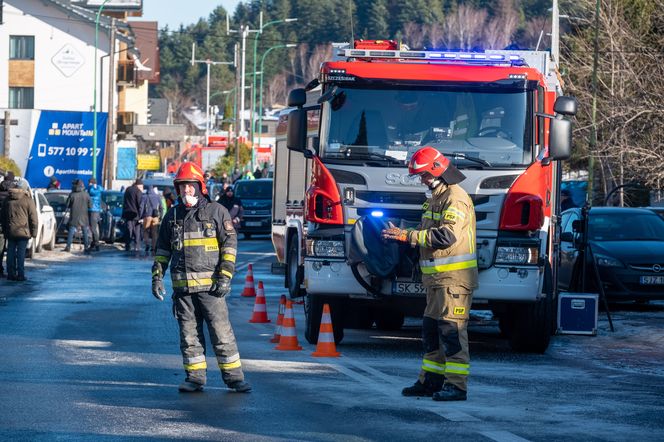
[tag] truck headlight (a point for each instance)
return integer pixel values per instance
(327, 248)
(517, 255)
(607, 261)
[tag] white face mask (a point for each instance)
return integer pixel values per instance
(190, 201)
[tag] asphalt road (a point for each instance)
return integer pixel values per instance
(89, 354)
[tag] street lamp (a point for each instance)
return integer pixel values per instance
(94, 98)
(260, 108)
(253, 92)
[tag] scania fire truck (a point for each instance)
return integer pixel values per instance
(341, 174)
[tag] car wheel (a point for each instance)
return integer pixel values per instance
(38, 240)
(313, 310)
(294, 272)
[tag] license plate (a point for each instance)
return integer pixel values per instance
(253, 223)
(408, 288)
(652, 280)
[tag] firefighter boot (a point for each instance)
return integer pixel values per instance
(450, 393)
(190, 387)
(432, 384)
(240, 386)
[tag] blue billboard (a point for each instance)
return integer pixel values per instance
(63, 148)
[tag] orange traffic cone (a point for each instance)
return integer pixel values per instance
(325, 347)
(260, 309)
(249, 283)
(288, 340)
(280, 319)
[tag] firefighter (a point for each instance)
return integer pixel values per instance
(198, 239)
(446, 238)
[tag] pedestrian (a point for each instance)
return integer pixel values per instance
(78, 204)
(566, 201)
(258, 173)
(18, 217)
(202, 232)
(9, 182)
(446, 240)
(169, 198)
(247, 174)
(233, 204)
(94, 190)
(5, 185)
(53, 184)
(131, 213)
(151, 213)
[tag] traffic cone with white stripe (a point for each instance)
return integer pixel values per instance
(249, 283)
(288, 340)
(260, 307)
(325, 347)
(280, 319)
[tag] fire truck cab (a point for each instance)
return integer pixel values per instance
(341, 174)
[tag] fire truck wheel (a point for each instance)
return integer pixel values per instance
(313, 309)
(294, 271)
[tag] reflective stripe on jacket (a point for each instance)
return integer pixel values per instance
(446, 238)
(200, 244)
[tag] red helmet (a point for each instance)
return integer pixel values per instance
(429, 160)
(189, 173)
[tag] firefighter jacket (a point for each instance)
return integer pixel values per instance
(446, 237)
(200, 243)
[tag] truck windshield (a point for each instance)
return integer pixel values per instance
(480, 127)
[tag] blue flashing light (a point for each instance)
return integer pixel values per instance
(377, 213)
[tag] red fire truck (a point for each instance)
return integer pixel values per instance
(340, 174)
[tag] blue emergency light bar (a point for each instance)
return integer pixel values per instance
(472, 57)
(377, 213)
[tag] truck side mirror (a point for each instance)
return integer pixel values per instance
(560, 139)
(296, 138)
(565, 106)
(297, 97)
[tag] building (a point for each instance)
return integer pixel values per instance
(50, 48)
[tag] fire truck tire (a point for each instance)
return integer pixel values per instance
(294, 271)
(389, 320)
(313, 309)
(531, 331)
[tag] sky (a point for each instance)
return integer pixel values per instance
(176, 12)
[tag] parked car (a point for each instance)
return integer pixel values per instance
(58, 200)
(628, 245)
(113, 228)
(47, 225)
(256, 197)
(658, 210)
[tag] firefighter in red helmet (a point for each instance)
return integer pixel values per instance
(446, 238)
(197, 238)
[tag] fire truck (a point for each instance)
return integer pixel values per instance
(341, 173)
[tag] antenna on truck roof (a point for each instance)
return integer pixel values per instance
(352, 31)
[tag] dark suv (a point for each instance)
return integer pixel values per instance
(256, 197)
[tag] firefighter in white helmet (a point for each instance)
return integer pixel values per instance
(446, 238)
(198, 239)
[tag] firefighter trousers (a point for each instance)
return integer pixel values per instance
(191, 312)
(445, 335)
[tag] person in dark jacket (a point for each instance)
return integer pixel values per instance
(233, 204)
(131, 213)
(19, 224)
(78, 204)
(53, 183)
(197, 238)
(95, 211)
(4, 193)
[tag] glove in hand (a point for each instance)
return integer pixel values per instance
(221, 287)
(158, 290)
(394, 233)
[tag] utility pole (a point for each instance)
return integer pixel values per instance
(555, 33)
(593, 125)
(110, 142)
(207, 62)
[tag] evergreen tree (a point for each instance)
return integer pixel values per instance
(377, 26)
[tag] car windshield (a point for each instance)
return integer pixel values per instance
(113, 200)
(57, 200)
(626, 227)
(389, 125)
(253, 189)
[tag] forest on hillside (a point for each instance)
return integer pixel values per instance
(626, 140)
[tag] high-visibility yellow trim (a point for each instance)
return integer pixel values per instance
(161, 259)
(457, 368)
(449, 267)
(201, 242)
(192, 282)
(226, 273)
(422, 238)
(431, 215)
(456, 211)
(228, 257)
(196, 366)
(231, 365)
(433, 367)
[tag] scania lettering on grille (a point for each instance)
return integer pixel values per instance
(401, 179)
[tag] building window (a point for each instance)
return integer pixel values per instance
(21, 97)
(21, 47)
